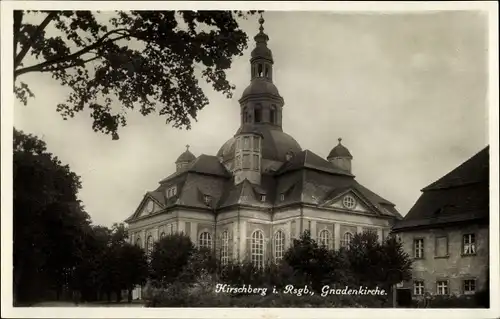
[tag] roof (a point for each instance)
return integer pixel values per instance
(460, 196)
(203, 164)
(275, 143)
(308, 179)
(339, 151)
(260, 86)
(307, 159)
(187, 156)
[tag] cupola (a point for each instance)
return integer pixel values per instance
(184, 159)
(340, 157)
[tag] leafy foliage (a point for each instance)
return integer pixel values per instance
(170, 257)
(48, 220)
(146, 60)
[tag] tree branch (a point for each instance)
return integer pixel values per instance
(97, 44)
(58, 68)
(18, 19)
(34, 37)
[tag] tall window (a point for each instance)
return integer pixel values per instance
(149, 245)
(256, 162)
(259, 71)
(469, 286)
(441, 246)
(258, 114)
(347, 240)
(257, 248)
(256, 143)
(418, 288)
(246, 143)
(469, 244)
(225, 248)
(246, 161)
(279, 245)
(442, 287)
(245, 114)
(138, 242)
(324, 238)
(205, 240)
(272, 114)
(418, 248)
(266, 74)
(162, 235)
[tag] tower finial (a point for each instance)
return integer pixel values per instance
(187, 147)
(261, 22)
(340, 140)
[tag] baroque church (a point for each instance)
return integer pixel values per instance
(261, 190)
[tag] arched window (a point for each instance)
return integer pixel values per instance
(149, 245)
(267, 71)
(224, 254)
(346, 239)
(258, 113)
(324, 238)
(205, 240)
(279, 245)
(245, 114)
(259, 71)
(257, 249)
(272, 114)
(138, 242)
(162, 235)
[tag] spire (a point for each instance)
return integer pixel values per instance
(261, 50)
(261, 37)
(340, 140)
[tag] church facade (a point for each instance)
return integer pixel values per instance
(261, 190)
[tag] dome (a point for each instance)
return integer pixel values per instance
(187, 156)
(260, 86)
(340, 151)
(262, 52)
(275, 144)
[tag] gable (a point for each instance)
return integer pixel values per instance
(149, 207)
(349, 201)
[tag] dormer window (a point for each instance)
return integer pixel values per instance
(282, 197)
(262, 198)
(258, 114)
(172, 191)
(207, 199)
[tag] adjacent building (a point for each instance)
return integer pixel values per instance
(447, 232)
(261, 189)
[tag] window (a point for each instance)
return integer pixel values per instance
(245, 115)
(418, 288)
(282, 197)
(262, 198)
(207, 199)
(258, 114)
(256, 143)
(172, 191)
(238, 162)
(469, 244)
(266, 74)
(162, 235)
(138, 242)
(259, 70)
(246, 143)
(224, 254)
(257, 249)
(171, 226)
(205, 240)
(324, 238)
(272, 114)
(279, 245)
(149, 246)
(346, 242)
(442, 287)
(246, 161)
(256, 162)
(418, 248)
(441, 246)
(469, 286)
(349, 202)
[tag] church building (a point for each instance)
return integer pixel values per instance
(261, 190)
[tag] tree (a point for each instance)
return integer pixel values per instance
(133, 267)
(146, 60)
(169, 258)
(307, 258)
(48, 220)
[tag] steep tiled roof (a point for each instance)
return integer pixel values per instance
(203, 164)
(307, 159)
(461, 195)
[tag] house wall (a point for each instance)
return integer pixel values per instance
(455, 267)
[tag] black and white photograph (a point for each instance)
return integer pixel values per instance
(249, 159)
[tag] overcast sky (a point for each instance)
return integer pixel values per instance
(407, 93)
